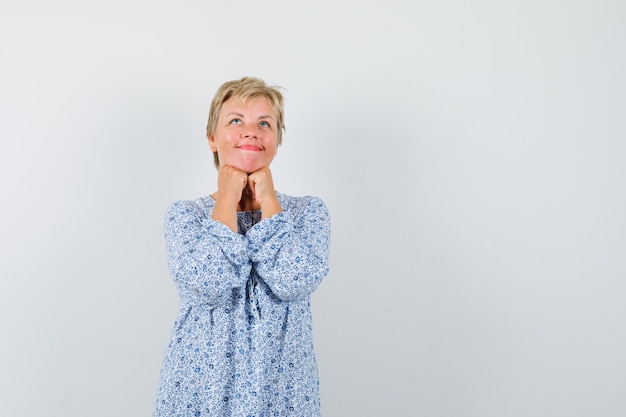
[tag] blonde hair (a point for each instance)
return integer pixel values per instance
(244, 89)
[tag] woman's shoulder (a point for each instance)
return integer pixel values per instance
(200, 207)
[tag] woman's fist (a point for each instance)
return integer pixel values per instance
(230, 183)
(262, 190)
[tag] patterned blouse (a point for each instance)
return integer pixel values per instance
(243, 343)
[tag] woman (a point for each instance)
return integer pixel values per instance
(245, 261)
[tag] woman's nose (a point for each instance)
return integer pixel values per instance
(249, 132)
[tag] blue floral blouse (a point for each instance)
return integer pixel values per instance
(243, 343)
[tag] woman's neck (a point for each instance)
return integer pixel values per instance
(247, 202)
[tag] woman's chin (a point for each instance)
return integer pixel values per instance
(248, 168)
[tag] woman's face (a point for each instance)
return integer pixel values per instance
(245, 137)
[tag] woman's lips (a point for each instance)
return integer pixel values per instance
(249, 148)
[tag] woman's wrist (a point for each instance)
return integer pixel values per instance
(270, 207)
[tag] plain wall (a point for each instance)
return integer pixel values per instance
(472, 155)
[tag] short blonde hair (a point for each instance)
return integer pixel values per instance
(244, 89)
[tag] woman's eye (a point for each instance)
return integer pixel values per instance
(235, 121)
(264, 124)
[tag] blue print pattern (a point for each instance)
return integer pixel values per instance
(243, 343)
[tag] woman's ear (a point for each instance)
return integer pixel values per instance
(211, 139)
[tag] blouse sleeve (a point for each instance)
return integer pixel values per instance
(290, 250)
(205, 258)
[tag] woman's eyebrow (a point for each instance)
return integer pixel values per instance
(263, 116)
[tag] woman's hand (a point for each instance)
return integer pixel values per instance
(261, 186)
(238, 190)
(230, 185)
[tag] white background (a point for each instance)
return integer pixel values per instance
(472, 155)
